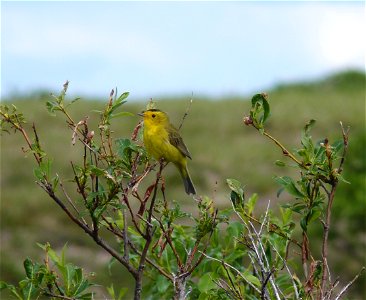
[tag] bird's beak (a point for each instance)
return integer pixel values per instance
(141, 114)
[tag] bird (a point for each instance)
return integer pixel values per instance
(162, 140)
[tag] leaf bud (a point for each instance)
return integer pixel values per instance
(247, 120)
(90, 136)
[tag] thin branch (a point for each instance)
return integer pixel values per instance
(186, 113)
(220, 283)
(161, 271)
(49, 294)
(287, 269)
(148, 238)
(264, 264)
(345, 134)
(88, 230)
(36, 155)
(265, 218)
(168, 239)
(125, 200)
(266, 279)
(236, 292)
(326, 223)
(125, 236)
(70, 201)
(349, 284)
(233, 268)
(284, 150)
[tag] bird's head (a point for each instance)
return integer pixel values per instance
(154, 117)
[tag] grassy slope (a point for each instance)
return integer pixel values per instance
(221, 148)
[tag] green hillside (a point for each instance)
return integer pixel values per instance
(221, 147)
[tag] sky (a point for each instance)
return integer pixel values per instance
(154, 49)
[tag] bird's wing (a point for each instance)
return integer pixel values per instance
(176, 140)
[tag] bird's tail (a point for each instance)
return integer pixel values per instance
(188, 184)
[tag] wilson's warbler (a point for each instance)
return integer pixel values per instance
(162, 140)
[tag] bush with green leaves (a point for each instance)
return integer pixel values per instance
(236, 253)
(55, 278)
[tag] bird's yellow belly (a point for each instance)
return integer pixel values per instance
(157, 144)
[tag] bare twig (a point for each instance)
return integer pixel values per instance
(349, 284)
(284, 150)
(125, 236)
(170, 242)
(234, 290)
(148, 238)
(47, 187)
(287, 269)
(70, 201)
(264, 219)
(233, 268)
(326, 223)
(224, 285)
(186, 112)
(52, 295)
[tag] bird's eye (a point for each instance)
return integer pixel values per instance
(153, 115)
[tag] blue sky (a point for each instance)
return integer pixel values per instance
(154, 49)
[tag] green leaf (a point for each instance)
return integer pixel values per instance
(55, 182)
(304, 224)
(111, 292)
(237, 193)
(235, 185)
(4, 285)
(52, 106)
(63, 254)
(313, 215)
(28, 289)
(341, 178)
(43, 170)
(68, 273)
(260, 108)
(162, 284)
(206, 282)
(38, 173)
(297, 207)
(307, 142)
(308, 126)
(250, 204)
(251, 278)
(87, 296)
(76, 99)
(54, 257)
(81, 285)
(290, 186)
(125, 149)
(234, 229)
(122, 97)
(279, 192)
(280, 163)
(99, 211)
(96, 171)
(11, 288)
(338, 146)
(286, 215)
(29, 268)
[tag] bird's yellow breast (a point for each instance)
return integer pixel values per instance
(156, 140)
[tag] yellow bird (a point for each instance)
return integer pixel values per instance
(162, 140)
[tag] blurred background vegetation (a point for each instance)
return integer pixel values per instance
(221, 147)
